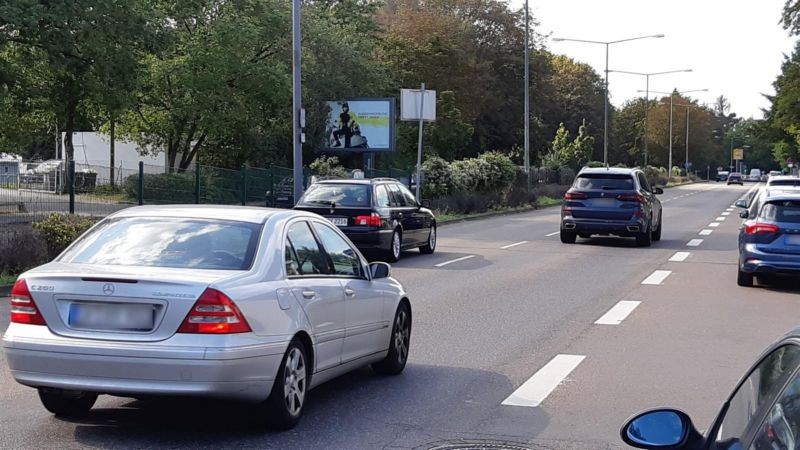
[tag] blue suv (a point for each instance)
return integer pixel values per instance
(611, 201)
(769, 240)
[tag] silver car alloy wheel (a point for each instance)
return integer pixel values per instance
(396, 245)
(401, 336)
(294, 381)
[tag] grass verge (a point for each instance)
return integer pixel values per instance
(541, 202)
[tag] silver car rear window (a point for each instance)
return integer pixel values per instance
(168, 242)
(604, 181)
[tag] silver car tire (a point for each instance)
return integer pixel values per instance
(289, 394)
(399, 343)
(67, 404)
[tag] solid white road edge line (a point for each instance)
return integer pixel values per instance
(657, 277)
(694, 243)
(454, 261)
(514, 244)
(534, 391)
(680, 256)
(618, 313)
(705, 232)
(553, 234)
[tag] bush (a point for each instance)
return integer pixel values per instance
(173, 187)
(656, 176)
(326, 166)
(438, 178)
(20, 249)
(60, 230)
(594, 164)
(566, 176)
(500, 172)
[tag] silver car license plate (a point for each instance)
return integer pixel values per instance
(111, 317)
(339, 221)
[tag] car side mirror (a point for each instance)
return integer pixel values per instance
(658, 191)
(426, 203)
(380, 270)
(741, 203)
(660, 428)
(744, 214)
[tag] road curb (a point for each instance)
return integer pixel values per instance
(492, 215)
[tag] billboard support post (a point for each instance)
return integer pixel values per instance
(419, 143)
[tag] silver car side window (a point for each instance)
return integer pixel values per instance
(310, 259)
(344, 258)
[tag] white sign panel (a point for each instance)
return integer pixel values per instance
(409, 105)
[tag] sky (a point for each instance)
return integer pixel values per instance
(734, 47)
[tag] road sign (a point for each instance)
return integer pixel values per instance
(410, 100)
(738, 154)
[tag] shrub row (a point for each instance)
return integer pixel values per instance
(491, 173)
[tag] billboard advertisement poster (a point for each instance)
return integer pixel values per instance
(738, 154)
(361, 124)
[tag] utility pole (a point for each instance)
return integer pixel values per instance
(527, 99)
(297, 145)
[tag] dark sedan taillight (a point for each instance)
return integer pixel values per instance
(372, 220)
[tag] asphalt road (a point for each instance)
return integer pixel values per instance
(512, 325)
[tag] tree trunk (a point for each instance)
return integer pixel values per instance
(172, 154)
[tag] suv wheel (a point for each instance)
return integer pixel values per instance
(645, 238)
(395, 247)
(568, 237)
(744, 279)
(430, 246)
(657, 232)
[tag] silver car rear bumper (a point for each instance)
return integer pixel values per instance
(237, 372)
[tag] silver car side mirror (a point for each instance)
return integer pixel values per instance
(742, 203)
(380, 270)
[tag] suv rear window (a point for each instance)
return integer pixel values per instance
(604, 181)
(339, 194)
(782, 211)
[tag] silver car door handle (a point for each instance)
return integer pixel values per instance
(349, 292)
(309, 294)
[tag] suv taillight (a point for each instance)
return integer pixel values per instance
(761, 228)
(23, 308)
(576, 196)
(214, 313)
(372, 220)
(631, 198)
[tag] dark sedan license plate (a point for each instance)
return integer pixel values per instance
(339, 221)
(111, 317)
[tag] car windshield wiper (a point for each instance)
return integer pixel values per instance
(610, 188)
(332, 204)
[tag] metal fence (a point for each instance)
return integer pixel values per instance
(43, 188)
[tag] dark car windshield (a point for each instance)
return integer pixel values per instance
(337, 195)
(604, 181)
(168, 242)
(782, 211)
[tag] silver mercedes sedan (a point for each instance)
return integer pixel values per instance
(252, 304)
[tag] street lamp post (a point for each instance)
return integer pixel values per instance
(605, 103)
(297, 145)
(647, 98)
(671, 97)
(527, 100)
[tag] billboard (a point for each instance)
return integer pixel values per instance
(360, 124)
(738, 154)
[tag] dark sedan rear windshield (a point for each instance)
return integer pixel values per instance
(604, 181)
(782, 211)
(337, 194)
(168, 242)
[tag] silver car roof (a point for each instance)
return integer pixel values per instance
(249, 214)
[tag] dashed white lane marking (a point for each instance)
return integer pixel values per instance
(713, 224)
(726, 213)
(513, 245)
(680, 256)
(534, 391)
(720, 219)
(657, 277)
(553, 234)
(694, 243)
(464, 258)
(618, 313)
(705, 232)
(729, 210)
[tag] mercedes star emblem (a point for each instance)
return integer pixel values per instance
(108, 289)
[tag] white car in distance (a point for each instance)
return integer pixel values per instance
(251, 304)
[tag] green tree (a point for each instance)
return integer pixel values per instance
(582, 146)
